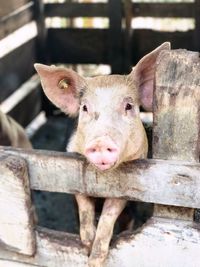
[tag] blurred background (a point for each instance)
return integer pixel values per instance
(92, 37)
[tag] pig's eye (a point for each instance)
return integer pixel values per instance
(85, 109)
(128, 106)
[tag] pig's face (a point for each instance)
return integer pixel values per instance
(109, 129)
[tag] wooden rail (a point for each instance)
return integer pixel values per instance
(16, 19)
(139, 180)
(167, 10)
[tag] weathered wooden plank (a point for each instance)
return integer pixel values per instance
(25, 98)
(78, 45)
(72, 10)
(176, 112)
(141, 48)
(16, 221)
(115, 36)
(162, 242)
(11, 263)
(42, 54)
(176, 106)
(9, 6)
(142, 180)
(197, 25)
(54, 249)
(162, 10)
(16, 68)
(16, 19)
(94, 46)
(127, 36)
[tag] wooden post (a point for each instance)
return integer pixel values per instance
(127, 36)
(41, 47)
(16, 220)
(176, 113)
(115, 35)
(197, 25)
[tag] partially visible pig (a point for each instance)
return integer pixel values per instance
(109, 132)
(11, 133)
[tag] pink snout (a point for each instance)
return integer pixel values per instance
(102, 152)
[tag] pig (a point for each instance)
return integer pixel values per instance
(109, 132)
(12, 134)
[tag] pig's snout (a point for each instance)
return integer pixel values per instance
(103, 153)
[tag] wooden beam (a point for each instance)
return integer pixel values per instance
(16, 68)
(71, 10)
(142, 180)
(162, 10)
(41, 51)
(16, 221)
(10, 6)
(161, 241)
(18, 18)
(176, 112)
(54, 248)
(95, 44)
(197, 25)
(177, 40)
(93, 48)
(27, 97)
(115, 36)
(176, 106)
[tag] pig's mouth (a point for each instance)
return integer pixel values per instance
(103, 166)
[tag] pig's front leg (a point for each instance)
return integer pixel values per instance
(111, 210)
(86, 209)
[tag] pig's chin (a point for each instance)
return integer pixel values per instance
(103, 167)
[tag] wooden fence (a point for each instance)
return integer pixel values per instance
(118, 46)
(170, 181)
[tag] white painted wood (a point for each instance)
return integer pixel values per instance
(13, 100)
(160, 242)
(16, 220)
(157, 181)
(54, 249)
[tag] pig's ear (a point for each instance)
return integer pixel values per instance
(62, 86)
(143, 75)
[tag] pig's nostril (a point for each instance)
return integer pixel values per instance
(111, 150)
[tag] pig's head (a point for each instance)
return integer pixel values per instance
(109, 129)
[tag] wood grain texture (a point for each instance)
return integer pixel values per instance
(16, 221)
(170, 243)
(176, 114)
(16, 19)
(176, 106)
(157, 181)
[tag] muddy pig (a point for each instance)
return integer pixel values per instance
(11, 133)
(109, 132)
